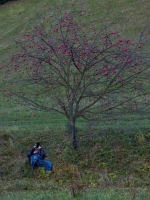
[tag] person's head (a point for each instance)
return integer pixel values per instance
(37, 144)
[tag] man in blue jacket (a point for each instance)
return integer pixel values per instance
(36, 157)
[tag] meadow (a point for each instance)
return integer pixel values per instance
(113, 157)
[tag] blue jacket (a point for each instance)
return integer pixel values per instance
(41, 153)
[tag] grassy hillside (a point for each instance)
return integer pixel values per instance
(111, 154)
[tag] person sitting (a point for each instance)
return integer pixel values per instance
(36, 157)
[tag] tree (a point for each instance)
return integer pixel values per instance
(68, 66)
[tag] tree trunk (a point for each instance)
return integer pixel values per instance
(73, 132)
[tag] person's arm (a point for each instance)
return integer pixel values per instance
(42, 153)
(30, 153)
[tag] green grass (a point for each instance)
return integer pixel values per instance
(105, 158)
(113, 194)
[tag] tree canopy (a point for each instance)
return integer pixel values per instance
(70, 66)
